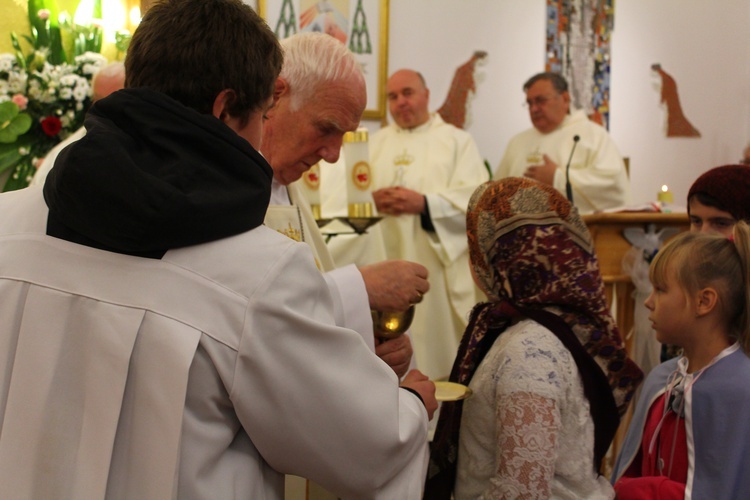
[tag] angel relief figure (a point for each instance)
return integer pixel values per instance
(677, 124)
(456, 106)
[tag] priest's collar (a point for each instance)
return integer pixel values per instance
(279, 193)
(419, 128)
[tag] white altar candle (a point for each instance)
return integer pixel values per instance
(358, 173)
(311, 188)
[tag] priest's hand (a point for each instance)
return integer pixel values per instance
(398, 200)
(418, 382)
(394, 285)
(396, 353)
(544, 173)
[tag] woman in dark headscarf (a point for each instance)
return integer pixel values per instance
(544, 358)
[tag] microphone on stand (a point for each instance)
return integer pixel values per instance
(568, 188)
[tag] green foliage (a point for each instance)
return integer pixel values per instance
(87, 39)
(20, 178)
(45, 32)
(17, 50)
(122, 42)
(12, 122)
(10, 156)
(55, 38)
(51, 80)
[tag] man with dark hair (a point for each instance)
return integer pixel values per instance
(556, 79)
(156, 341)
(596, 176)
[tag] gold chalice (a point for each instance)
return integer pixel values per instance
(391, 324)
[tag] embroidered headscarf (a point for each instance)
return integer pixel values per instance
(533, 256)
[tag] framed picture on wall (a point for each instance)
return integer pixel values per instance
(361, 24)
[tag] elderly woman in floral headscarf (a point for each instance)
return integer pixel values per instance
(543, 357)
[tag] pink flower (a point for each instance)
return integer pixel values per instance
(20, 101)
(43, 14)
(51, 126)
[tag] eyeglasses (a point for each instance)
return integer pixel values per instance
(538, 101)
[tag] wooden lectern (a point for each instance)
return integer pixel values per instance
(610, 246)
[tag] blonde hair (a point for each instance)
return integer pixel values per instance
(700, 260)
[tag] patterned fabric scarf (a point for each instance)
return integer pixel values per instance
(533, 256)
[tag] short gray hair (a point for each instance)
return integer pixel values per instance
(557, 80)
(311, 59)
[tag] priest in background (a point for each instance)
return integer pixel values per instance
(597, 175)
(424, 172)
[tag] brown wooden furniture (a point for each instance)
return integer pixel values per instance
(610, 246)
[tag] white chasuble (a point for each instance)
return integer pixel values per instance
(597, 172)
(443, 163)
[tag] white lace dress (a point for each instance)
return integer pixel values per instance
(527, 432)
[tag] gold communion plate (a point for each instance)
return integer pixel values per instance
(451, 391)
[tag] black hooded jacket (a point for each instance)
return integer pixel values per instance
(152, 174)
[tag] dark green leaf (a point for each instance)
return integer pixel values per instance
(10, 159)
(57, 54)
(18, 178)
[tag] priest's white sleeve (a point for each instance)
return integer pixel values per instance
(351, 305)
(315, 401)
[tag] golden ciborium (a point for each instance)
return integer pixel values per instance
(391, 324)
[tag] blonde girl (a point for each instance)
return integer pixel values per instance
(690, 436)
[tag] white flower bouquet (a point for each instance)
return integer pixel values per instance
(54, 97)
(44, 95)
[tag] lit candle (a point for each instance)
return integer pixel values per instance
(311, 187)
(665, 195)
(358, 173)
